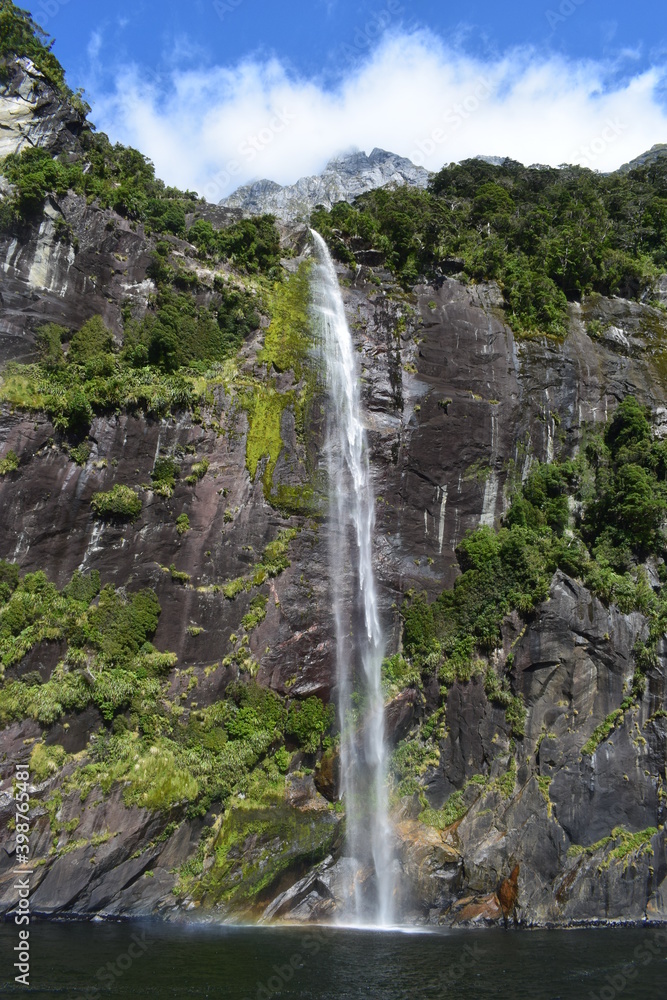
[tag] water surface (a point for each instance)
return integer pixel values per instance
(157, 962)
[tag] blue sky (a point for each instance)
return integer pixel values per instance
(219, 93)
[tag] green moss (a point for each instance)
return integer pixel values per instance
(286, 348)
(544, 783)
(45, 762)
(197, 472)
(273, 562)
(257, 613)
(9, 463)
(178, 576)
(156, 781)
(182, 524)
(289, 338)
(120, 504)
(295, 501)
(516, 716)
(164, 475)
(507, 782)
(398, 674)
(265, 407)
(235, 587)
(81, 453)
(410, 761)
(451, 812)
(602, 732)
(626, 846)
(260, 839)
(501, 694)
(274, 558)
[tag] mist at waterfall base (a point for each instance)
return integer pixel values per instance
(180, 962)
(360, 643)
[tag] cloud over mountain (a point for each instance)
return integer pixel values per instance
(213, 129)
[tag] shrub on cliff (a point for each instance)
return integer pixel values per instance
(20, 35)
(308, 722)
(120, 504)
(252, 245)
(9, 463)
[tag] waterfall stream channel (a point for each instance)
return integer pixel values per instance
(360, 642)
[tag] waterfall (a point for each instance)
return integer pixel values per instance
(359, 638)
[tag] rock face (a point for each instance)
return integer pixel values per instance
(343, 179)
(32, 113)
(453, 404)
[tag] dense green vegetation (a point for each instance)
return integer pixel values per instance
(546, 235)
(9, 463)
(19, 33)
(117, 177)
(597, 518)
(93, 378)
(119, 504)
(108, 659)
(251, 245)
(179, 332)
(160, 756)
(155, 371)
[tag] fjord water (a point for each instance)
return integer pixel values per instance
(359, 640)
(77, 961)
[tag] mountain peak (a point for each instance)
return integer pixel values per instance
(656, 152)
(344, 178)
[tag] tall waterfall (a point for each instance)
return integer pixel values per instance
(359, 638)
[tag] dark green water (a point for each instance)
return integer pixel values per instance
(149, 962)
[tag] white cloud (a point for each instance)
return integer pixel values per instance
(94, 45)
(213, 129)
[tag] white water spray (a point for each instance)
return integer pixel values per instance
(359, 639)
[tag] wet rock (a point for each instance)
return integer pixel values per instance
(327, 776)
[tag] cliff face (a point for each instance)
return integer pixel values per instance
(455, 405)
(33, 113)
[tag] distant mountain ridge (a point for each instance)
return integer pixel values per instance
(653, 154)
(343, 179)
(346, 177)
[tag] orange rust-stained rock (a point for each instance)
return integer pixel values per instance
(480, 910)
(508, 893)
